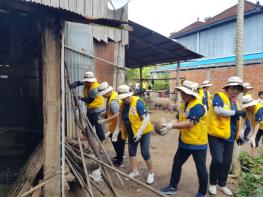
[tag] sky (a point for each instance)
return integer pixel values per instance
(166, 16)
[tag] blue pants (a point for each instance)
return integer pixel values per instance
(144, 143)
(199, 157)
(221, 152)
(93, 118)
(119, 148)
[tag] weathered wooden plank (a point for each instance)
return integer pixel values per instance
(51, 106)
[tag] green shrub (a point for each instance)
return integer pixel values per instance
(251, 184)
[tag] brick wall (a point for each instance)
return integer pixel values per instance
(219, 76)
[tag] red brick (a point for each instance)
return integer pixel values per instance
(219, 76)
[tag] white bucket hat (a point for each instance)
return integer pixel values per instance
(189, 87)
(234, 81)
(124, 91)
(247, 86)
(206, 83)
(248, 101)
(104, 88)
(89, 77)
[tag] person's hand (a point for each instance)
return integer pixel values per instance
(166, 128)
(240, 141)
(101, 121)
(73, 85)
(114, 136)
(240, 113)
(252, 140)
(137, 137)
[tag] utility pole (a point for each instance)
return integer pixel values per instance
(236, 169)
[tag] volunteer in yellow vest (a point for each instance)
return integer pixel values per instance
(204, 94)
(193, 140)
(255, 116)
(247, 88)
(112, 120)
(94, 102)
(223, 130)
(138, 128)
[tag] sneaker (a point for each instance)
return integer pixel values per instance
(150, 178)
(199, 195)
(168, 190)
(212, 189)
(226, 190)
(134, 174)
(114, 159)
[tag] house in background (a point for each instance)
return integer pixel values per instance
(215, 39)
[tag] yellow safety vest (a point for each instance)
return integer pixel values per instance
(98, 101)
(220, 126)
(197, 135)
(252, 119)
(135, 119)
(113, 122)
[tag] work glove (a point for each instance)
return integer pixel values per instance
(101, 121)
(252, 140)
(241, 141)
(240, 113)
(166, 128)
(114, 137)
(74, 84)
(137, 137)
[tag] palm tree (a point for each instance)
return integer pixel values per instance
(239, 71)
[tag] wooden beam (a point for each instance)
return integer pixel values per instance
(51, 106)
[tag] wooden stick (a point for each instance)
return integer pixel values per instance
(40, 185)
(106, 177)
(84, 164)
(125, 175)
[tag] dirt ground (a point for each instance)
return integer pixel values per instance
(163, 149)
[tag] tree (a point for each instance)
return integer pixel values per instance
(236, 169)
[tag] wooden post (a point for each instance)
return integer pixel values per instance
(51, 106)
(178, 83)
(140, 80)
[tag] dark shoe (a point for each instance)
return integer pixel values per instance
(168, 190)
(118, 164)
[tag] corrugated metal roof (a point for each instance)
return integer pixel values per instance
(147, 47)
(228, 13)
(68, 15)
(212, 62)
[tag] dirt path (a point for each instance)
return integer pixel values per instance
(163, 149)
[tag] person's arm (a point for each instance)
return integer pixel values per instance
(258, 119)
(144, 117)
(193, 118)
(92, 95)
(218, 106)
(76, 84)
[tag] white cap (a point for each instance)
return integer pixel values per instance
(89, 77)
(248, 101)
(124, 91)
(234, 81)
(104, 88)
(189, 87)
(247, 86)
(206, 83)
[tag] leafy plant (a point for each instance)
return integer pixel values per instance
(251, 184)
